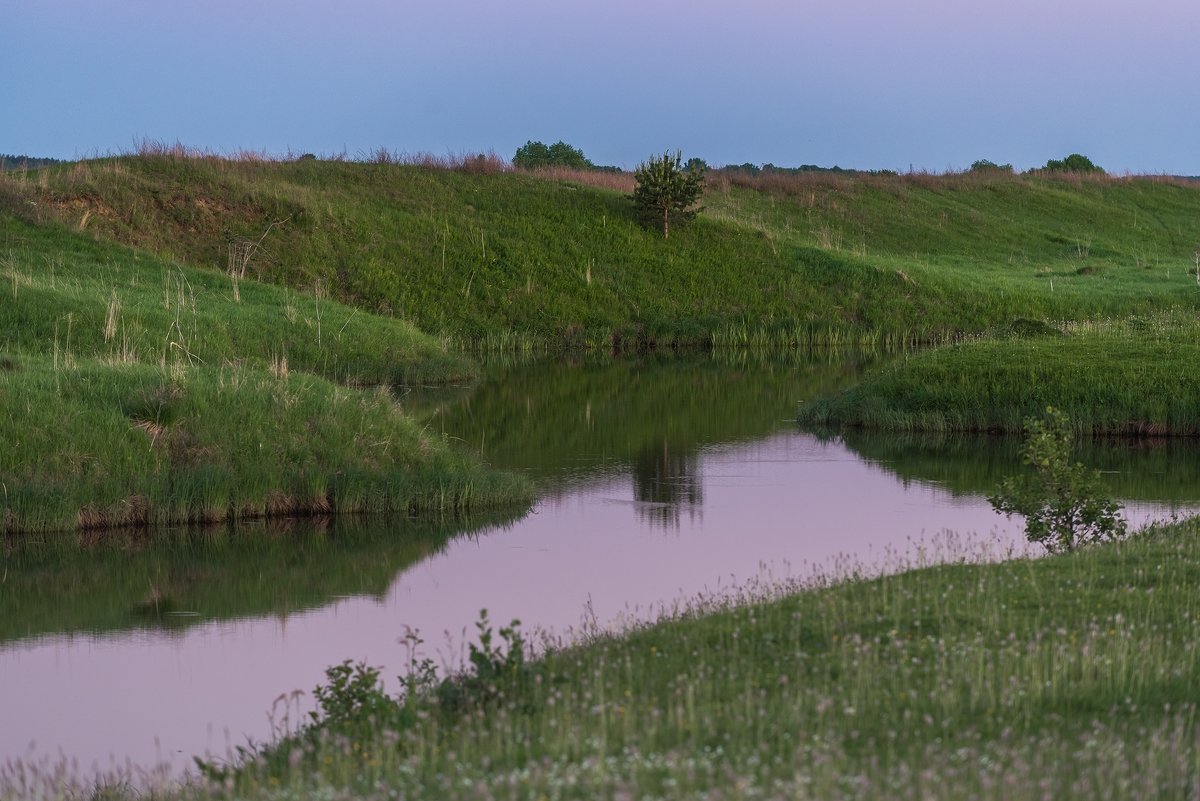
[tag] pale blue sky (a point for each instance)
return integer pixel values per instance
(934, 84)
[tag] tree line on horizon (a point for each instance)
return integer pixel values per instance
(11, 162)
(534, 155)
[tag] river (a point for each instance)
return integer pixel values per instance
(662, 479)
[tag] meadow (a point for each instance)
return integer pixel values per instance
(506, 259)
(193, 338)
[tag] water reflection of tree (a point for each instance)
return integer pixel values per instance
(665, 483)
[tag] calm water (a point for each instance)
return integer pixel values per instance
(663, 479)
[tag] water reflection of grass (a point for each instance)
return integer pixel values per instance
(1140, 469)
(71, 583)
(1069, 676)
(574, 418)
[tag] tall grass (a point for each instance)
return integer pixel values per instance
(86, 299)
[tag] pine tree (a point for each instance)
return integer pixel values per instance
(666, 192)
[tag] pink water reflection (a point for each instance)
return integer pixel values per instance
(784, 504)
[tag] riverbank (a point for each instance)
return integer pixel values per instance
(99, 445)
(1129, 377)
(1068, 675)
(507, 259)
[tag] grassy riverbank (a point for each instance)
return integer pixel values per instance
(1136, 376)
(510, 259)
(140, 391)
(93, 444)
(1068, 676)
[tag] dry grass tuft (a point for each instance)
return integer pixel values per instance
(601, 179)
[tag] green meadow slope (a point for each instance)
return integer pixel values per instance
(136, 390)
(244, 291)
(486, 255)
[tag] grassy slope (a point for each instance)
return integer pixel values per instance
(136, 390)
(1068, 676)
(1130, 378)
(68, 294)
(482, 255)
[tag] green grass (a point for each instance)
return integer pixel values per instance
(510, 259)
(1068, 676)
(1132, 377)
(94, 444)
(68, 295)
(137, 390)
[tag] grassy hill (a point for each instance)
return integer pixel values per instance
(137, 390)
(481, 254)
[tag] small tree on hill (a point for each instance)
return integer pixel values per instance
(1063, 503)
(666, 192)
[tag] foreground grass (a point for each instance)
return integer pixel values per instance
(1131, 377)
(1062, 677)
(91, 444)
(481, 256)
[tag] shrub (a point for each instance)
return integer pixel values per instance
(536, 155)
(1072, 163)
(1063, 504)
(984, 165)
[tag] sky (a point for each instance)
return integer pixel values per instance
(869, 84)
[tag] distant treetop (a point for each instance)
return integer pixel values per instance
(1072, 163)
(533, 155)
(11, 162)
(985, 165)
